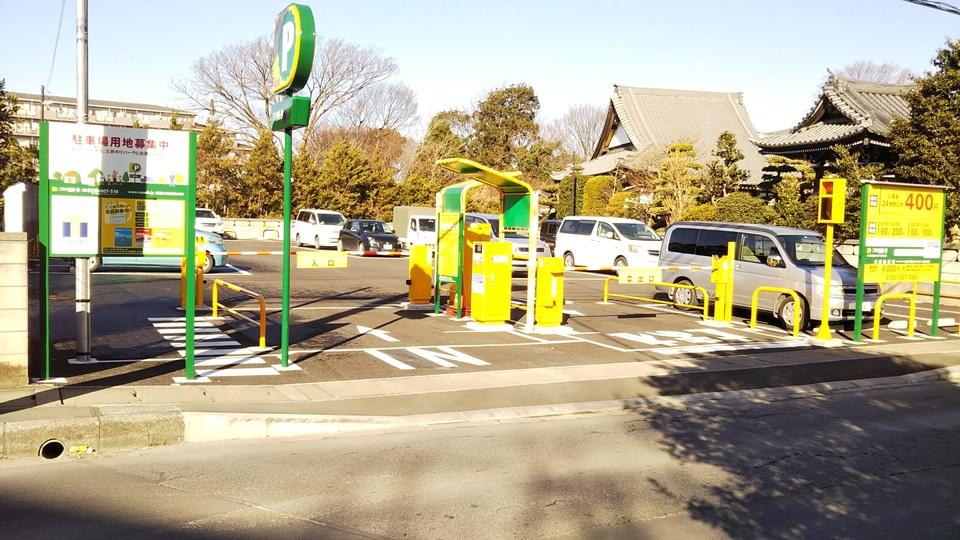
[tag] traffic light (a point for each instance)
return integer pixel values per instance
(830, 203)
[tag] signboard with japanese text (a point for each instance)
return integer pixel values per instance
(903, 232)
(117, 191)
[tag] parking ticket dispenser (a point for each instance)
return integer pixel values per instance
(549, 304)
(475, 232)
(490, 283)
(421, 275)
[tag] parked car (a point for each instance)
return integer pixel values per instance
(369, 236)
(319, 228)
(765, 255)
(216, 257)
(548, 232)
(208, 220)
(606, 241)
(521, 243)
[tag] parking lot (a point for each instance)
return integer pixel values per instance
(352, 324)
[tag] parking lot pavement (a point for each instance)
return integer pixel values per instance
(349, 324)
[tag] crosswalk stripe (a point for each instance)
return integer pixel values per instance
(184, 330)
(182, 319)
(182, 324)
(384, 357)
(229, 361)
(197, 337)
(223, 352)
(231, 343)
(245, 372)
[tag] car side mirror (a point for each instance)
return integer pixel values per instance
(774, 261)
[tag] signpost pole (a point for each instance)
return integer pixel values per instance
(861, 260)
(82, 264)
(285, 295)
(935, 314)
(190, 251)
(824, 332)
(43, 241)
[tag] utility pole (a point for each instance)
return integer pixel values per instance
(83, 263)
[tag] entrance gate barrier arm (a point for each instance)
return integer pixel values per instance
(236, 288)
(796, 306)
(911, 320)
(706, 297)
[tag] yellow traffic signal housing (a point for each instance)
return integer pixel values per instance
(831, 200)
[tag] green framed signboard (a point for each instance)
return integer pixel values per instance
(294, 39)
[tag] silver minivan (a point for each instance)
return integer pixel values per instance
(765, 255)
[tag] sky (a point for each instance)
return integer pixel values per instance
(453, 52)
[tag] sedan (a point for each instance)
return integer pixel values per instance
(368, 236)
(216, 256)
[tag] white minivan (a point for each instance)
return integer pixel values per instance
(606, 242)
(319, 228)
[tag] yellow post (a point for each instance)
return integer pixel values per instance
(731, 256)
(420, 274)
(549, 301)
(214, 300)
(912, 321)
(824, 332)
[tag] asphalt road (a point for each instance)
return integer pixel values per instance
(882, 464)
(349, 324)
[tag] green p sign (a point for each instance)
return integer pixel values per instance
(294, 37)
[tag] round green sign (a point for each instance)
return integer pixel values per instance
(294, 37)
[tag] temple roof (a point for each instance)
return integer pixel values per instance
(847, 112)
(640, 119)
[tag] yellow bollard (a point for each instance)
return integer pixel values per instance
(199, 281)
(549, 301)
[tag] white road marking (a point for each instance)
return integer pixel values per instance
(446, 357)
(182, 324)
(183, 319)
(382, 334)
(229, 361)
(384, 357)
(238, 271)
(207, 343)
(246, 372)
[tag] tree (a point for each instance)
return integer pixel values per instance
(504, 122)
(869, 71)
(262, 186)
(626, 204)
(578, 130)
(446, 137)
(675, 187)
(236, 82)
(218, 171)
(597, 194)
(566, 206)
(742, 207)
(780, 167)
(16, 162)
(928, 141)
(305, 172)
(700, 212)
(847, 165)
(723, 175)
(788, 209)
(353, 185)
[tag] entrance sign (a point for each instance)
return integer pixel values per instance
(117, 191)
(294, 38)
(901, 239)
(904, 233)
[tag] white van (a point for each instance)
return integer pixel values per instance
(319, 228)
(606, 242)
(766, 255)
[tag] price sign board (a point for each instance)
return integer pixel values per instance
(903, 232)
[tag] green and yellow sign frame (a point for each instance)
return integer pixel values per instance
(294, 40)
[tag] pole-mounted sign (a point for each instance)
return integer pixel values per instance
(294, 37)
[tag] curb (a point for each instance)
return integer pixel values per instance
(130, 427)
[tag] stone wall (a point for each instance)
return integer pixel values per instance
(13, 309)
(252, 229)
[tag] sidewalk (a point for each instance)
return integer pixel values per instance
(126, 417)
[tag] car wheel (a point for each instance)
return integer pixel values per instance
(316, 243)
(95, 263)
(208, 263)
(340, 244)
(785, 313)
(297, 240)
(568, 261)
(684, 298)
(620, 262)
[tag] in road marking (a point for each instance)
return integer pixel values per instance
(384, 357)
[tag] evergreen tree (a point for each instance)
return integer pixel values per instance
(566, 206)
(262, 187)
(16, 162)
(503, 123)
(354, 186)
(928, 141)
(676, 186)
(847, 165)
(597, 194)
(742, 207)
(723, 175)
(788, 210)
(218, 172)
(306, 179)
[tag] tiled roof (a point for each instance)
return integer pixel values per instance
(656, 118)
(865, 108)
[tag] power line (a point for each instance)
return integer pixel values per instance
(56, 43)
(942, 6)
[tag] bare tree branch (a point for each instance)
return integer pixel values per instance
(869, 71)
(578, 129)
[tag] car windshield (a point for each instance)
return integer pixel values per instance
(330, 219)
(375, 227)
(808, 250)
(636, 231)
(205, 214)
(428, 224)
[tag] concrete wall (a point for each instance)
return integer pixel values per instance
(253, 229)
(13, 309)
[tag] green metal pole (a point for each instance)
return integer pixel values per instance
(861, 252)
(935, 315)
(285, 300)
(43, 244)
(190, 248)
